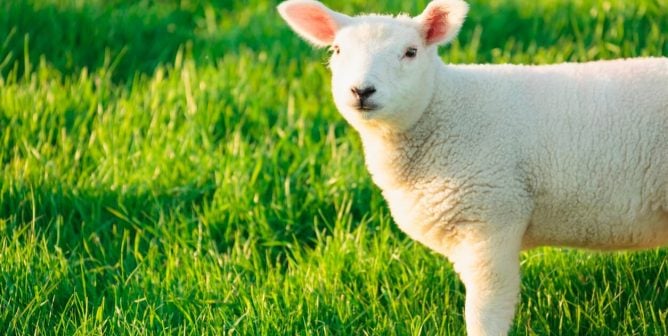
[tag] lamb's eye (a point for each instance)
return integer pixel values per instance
(335, 49)
(411, 52)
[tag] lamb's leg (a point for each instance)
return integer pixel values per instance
(490, 271)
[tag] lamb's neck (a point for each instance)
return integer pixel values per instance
(391, 155)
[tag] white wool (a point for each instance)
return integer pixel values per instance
(480, 161)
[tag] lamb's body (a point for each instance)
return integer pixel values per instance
(478, 162)
(599, 161)
(576, 154)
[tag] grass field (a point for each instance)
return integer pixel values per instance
(178, 167)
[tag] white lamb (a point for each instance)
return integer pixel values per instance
(481, 161)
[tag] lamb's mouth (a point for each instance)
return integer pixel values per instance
(366, 107)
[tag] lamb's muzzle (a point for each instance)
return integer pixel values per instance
(362, 95)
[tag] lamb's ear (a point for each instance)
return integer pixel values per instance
(312, 20)
(442, 19)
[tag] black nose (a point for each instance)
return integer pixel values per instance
(363, 93)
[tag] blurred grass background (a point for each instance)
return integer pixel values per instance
(179, 167)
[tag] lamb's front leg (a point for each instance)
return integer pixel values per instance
(490, 272)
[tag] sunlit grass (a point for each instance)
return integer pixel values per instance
(179, 167)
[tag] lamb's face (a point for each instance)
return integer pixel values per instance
(383, 67)
(381, 70)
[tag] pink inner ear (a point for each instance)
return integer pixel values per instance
(436, 25)
(314, 21)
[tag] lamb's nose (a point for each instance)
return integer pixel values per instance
(363, 93)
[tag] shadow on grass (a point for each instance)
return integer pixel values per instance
(128, 37)
(69, 219)
(87, 244)
(101, 222)
(85, 247)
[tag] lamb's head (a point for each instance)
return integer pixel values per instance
(383, 67)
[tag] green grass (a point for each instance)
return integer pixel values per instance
(178, 167)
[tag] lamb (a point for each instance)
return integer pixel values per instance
(479, 162)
